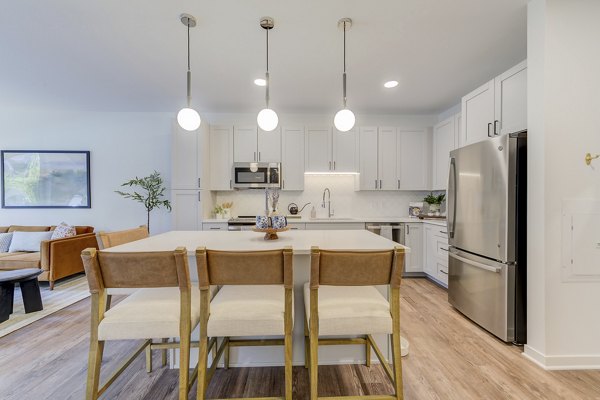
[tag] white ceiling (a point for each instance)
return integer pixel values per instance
(116, 55)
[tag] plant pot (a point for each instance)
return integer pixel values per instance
(434, 208)
(226, 213)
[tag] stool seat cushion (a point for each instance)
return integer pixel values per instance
(350, 310)
(247, 310)
(148, 313)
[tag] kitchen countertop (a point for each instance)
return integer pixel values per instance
(342, 220)
(301, 241)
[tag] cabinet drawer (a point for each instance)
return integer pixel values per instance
(214, 227)
(442, 273)
(442, 251)
(296, 227)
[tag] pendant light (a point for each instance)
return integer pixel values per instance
(344, 119)
(267, 118)
(187, 117)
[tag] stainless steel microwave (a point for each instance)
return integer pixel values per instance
(256, 175)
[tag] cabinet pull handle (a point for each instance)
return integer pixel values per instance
(443, 232)
(375, 183)
(230, 184)
(443, 249)
(199, 183)
(443, 272)
(330, 165)
(283, 184)
(398, 183)
(215, 228)
(496, 127)
(254, 156)
(380, 184)
(259, 156)
(408, 229)
(334, 165)
(198, 196)
(489, 126)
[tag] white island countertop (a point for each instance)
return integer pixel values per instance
(300, 240)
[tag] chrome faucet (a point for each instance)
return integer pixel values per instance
(329, 213)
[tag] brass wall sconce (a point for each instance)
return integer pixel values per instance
(589, 158)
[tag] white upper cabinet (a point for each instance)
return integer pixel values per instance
(511, 100)
(329, 150)
(269, 145)
(318, 150)
(252, 144)
(189, 158)
(495, 108)
(445, 136)
(221, 157)
(244, 144)
(414, 155)
(388, 159)
(292, 167)
(478, 114)
(344, 147)
(368, 159)
(186, 213)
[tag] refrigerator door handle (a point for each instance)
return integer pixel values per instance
(475, 263)
(451, 221)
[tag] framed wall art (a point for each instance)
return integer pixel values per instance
(45, 179)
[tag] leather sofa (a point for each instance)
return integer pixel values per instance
(57, 258)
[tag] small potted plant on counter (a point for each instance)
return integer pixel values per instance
(223, 211)
(434, 202)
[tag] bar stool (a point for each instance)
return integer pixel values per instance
(256, 300)
(163, 306)
(341, 300)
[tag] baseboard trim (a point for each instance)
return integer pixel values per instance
(553, 363)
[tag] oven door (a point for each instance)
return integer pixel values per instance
(255, 175)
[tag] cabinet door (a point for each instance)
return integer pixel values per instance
(293, 158)
(457, 130)
(345, 146)
(388, 159)
(430, 264)
(367, 160)
(477, 114)
(318, 150)
(244, 144)
(269, 145)
(203, 160)
(221, 157)
(443, 144)
(414, 159)
(184, 158)
(414, 239)
(186, 214)
(511, 100)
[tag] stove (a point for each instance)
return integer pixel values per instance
(241, 223)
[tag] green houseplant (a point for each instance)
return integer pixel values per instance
(434, 201)
(153, 194)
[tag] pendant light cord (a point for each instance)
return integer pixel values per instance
(344, 75)
(189, 71)
(267, 97)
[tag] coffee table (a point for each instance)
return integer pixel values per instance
(30, 290)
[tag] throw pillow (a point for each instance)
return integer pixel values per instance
(5, 239)
(28, 241)
(63, 230)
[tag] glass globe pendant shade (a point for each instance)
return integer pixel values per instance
(344, 120)
(188, 119)
(267, 119)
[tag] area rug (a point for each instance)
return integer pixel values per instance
(66, 292)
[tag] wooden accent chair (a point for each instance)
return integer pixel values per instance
(341, 300)
(256, 300)
(116, 238)
(164, 306)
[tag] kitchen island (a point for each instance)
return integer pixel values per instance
(301, 243)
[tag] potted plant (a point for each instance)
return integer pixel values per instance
(153, 196)
(227, 209)
(434, 201)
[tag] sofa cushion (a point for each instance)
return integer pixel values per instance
(63, 230)
(28, 241)
(22, 228)
(9, 261)
(5, 239)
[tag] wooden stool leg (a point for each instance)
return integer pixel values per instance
(164, 353)
(94, 364)
(396, 350)
(226, 355)
(367, 352)
(7, 293)
(202, 364)
(306, 345)
(314, 344)
(184, 367)
(288, 344)
(148, 359)
(32, 299)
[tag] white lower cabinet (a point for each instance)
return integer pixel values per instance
(296, 226)
(413, 238)
(214, 226)
(436, 253)
(335, 226)
(186, 213)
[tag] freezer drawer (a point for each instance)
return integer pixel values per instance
(483, 290)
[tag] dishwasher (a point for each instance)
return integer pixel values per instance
(392, 231)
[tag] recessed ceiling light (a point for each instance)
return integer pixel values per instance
(390, 84)
(260, 82)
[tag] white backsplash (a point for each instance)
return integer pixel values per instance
(345, 201)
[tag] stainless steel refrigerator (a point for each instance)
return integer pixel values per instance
(487, 223)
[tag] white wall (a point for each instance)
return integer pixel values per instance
(345, 202)
(122, 145)
(563, 104)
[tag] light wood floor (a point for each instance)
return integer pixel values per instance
(450, 358)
